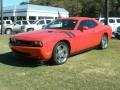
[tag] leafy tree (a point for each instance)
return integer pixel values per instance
(89, 8)
(23, 3)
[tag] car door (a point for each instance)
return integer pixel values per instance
(86, 38)
(16, 26)
(112, 23)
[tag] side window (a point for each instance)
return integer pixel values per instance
(7, 22)
(25, 22)
(41, 22)
(88, 23)
(111, 21)
(118, 20)
(48, 21)
(18, 22)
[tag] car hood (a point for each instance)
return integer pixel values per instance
(42, 35)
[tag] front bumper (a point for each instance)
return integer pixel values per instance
(32, 52)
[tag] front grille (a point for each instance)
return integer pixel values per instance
(21, 43)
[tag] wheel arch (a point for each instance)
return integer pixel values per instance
(106, 34)
(52, 60)
(7, 29)
(30, 28)
(67, 42)
(100, 44)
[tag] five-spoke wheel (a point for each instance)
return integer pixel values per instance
(60, 53)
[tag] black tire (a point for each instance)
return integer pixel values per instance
(104, 42)
(30, 29)
(8, 31)
(118, 37)
(60, 53)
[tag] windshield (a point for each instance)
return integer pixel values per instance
(64, 24)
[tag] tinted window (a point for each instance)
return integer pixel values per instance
(18, 22)
(88, 23)
(111, 21)
(48, 21)
(31, 21)
(7, 22)
(118, 20)
(64, 24)
(41, 22)
(25, 22)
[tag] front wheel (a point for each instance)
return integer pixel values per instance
(104, 42)
(60, 53)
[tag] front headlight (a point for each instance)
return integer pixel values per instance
(37, 44)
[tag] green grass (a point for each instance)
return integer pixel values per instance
(91, 70)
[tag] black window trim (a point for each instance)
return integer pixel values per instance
(86, 20)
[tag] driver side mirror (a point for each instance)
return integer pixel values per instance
(85, 28)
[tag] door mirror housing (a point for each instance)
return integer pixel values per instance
(85, 28)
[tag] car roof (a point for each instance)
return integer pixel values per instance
(77, 18)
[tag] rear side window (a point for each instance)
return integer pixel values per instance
(111, 21)
(88, 23)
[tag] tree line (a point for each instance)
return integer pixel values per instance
(89, 8)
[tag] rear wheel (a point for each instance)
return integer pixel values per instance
(60, 53)
(8, 31)
(104, 42)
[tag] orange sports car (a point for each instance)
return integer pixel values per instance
(61, 38)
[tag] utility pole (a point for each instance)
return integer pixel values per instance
(106, 11)
(1, 16)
